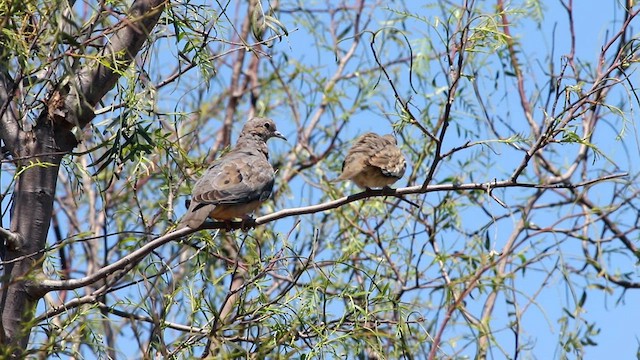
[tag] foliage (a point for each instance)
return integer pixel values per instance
(518, 208)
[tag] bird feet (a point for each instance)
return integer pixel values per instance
(247, 223)
(386, 190)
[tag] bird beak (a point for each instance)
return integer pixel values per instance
(278, 134)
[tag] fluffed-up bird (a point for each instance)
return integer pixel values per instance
(237, 183)
(373, 161)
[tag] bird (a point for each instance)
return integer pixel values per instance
(373, 161)
(234, 185)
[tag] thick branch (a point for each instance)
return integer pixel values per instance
(418, 189)
(52, 285)
(97, 77)
(9, 129)
(13, 240)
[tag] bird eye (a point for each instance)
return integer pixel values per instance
(267, 125)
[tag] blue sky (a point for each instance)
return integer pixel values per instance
(617, 319)
(593, 20)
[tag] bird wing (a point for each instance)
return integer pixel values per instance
(239, 177)
(390, 160)
(374, 150)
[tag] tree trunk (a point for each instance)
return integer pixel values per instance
(32, 204)
(38, 153)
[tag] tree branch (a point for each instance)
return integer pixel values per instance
(51, 285)
(45, 286)
(99, 76)
(9, 128)
(12, 240)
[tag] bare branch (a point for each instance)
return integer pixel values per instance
(134, 257)
(511, 45)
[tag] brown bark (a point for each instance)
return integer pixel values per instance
(38, 152)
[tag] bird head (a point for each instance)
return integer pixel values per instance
(262, 128)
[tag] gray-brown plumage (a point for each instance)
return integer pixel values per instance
(238, 182)
(373, 161)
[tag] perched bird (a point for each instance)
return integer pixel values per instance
(373, 161)
(238, 182)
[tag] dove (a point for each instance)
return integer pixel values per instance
(373, 161)
(237, 183)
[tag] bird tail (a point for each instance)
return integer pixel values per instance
(342, 177)
(195, 216)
